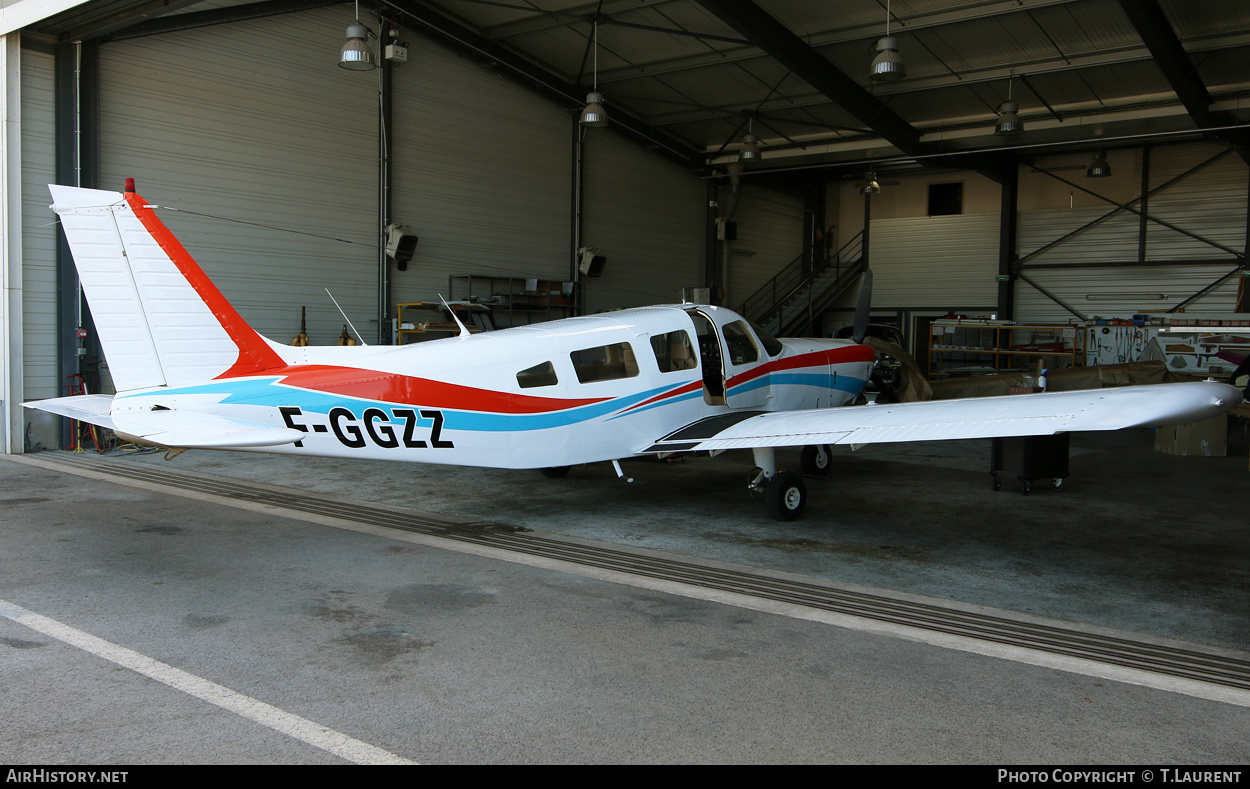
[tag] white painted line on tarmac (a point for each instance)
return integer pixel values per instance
(302, 729)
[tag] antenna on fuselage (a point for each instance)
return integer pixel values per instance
(464, 332)
(344, 314)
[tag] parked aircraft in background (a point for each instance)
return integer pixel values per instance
(191, 373)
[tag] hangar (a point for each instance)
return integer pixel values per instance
(1037, 184)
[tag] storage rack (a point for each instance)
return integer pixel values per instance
(979, 347)
(512, 299)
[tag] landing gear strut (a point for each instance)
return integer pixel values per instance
(784, 493)
(815, 460)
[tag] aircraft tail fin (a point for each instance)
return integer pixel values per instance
(161, 321)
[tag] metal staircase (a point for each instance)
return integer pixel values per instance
(789, 304)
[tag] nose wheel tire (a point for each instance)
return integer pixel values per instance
(785, 497)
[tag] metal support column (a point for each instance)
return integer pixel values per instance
(11, 394)
(863, 244)
(813, 221)
(709, 240)
(575, 217)
(1008, 210)
(1143, 217)
(1243, 303)
(77, 113)
(385, 82)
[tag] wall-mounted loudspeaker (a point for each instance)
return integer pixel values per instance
(592, 261)
(401, 245)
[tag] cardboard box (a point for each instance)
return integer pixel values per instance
(1208, 438)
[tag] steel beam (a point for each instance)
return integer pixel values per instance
(770, 35)
(126, 18)
(1180, 306)
(144, 26)
(436, 25)
(1128, 207)
(1169, 54)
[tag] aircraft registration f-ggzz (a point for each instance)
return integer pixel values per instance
(191, 373)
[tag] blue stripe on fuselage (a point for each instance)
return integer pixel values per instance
(268, 392)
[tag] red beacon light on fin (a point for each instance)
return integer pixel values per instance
(130, 185)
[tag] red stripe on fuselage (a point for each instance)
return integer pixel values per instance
(255, 355)
(407, 390)
(690, 387)
(827, 356)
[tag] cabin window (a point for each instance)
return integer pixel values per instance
(539, 375)
(605, 363)
(673, 352)
(742, 349)
(772, 345)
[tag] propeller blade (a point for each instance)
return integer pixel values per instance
(864, 307)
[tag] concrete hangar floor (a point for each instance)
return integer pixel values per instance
(240, 608)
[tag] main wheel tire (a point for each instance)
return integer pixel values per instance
(815, 460)
(554, 472)
(786, 496)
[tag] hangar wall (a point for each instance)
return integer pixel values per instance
(39, 334)
(254, 122)
(921, 262)
(770, 235)
(1209, 202)
(647, 216)
(929, 264)
(481, 172)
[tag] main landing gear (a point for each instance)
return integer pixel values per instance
(783, 492)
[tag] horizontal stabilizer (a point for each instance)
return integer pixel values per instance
(170, 428)
(198, 430)
(85, 408)
(984, 417)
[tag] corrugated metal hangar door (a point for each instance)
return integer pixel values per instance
(769, 238)
(647, 216)
(40, 377)
(482, 173)
(269, 152)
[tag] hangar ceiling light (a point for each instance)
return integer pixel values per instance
(1009, 123)
(887, 65)
(1099, 168)
(356, 54)
(870, 187)
(750, 149)
(594, 114)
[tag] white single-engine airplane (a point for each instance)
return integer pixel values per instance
(191, 373)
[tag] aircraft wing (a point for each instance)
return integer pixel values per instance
(1043, 413)
(170, 428)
